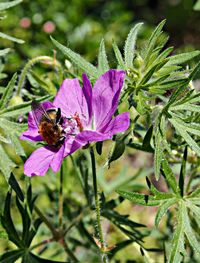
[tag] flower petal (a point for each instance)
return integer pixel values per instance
(71, 99)
(87, 90)
(32, 133)
(118, 124)
(48, 105)
(39, 161)
(57, 159)
(106, 96)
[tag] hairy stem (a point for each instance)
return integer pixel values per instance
(97, 207)
(45, 59)
(60, 214)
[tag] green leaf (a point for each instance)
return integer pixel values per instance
(117, 151)
(151, 71)
(26, 221)
(13, 111)
(140, 199)
(11, 256)
(102, 59)
(14, 39)
(183, 172)
(195, 193)
(15, 186)
(182, 58)
(118, 56)
(4, 52)
(147, 139)
(7, 222)
(99, 147)
(163, 209)
(31, 258)
(194, 72)
(8, 92)
(6, 164)
(153, 39)
(170, 177)
(13, 130)
(6, 5)
(177, 245)
(77, 59)
(197, 6)
(129, 47)
(17, 144)
(166, 85)
(181, 130)
(187, 107)
(189, 232)
(158, 156)
(4, 139)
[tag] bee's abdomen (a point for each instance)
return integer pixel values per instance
(50, 133)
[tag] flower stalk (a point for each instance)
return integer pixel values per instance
(60, 213)
(97, 208)
(44, 59)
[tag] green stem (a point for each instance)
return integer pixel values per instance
(44, 242)
(54, 232)
(60, 215)
(97, 206)
(68, 251)
(45, 59)
(57, 235)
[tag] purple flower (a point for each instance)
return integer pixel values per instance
(87, 115)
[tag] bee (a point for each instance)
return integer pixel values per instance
(49, 124)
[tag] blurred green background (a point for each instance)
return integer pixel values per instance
(82, 24)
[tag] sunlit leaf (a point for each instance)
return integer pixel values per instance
(129, 47)
(102, 59)
(77, 59)
(14, 39)
(6, 5)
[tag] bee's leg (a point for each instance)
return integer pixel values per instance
(58, 115)
(60, 142)
(61, 120)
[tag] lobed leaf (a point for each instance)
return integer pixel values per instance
(194, 72)
(162, 210)
(158, 156)
(177, 244)
(153, 39)
(170, 177)
(182, 58)
(189, 231)
(141, 199)
(11, 256)
(129, 47)
(181, 130)
(103, 65)
(15, 186)
(6, 164)
(8, 92)
(118, 56)
(77, 59)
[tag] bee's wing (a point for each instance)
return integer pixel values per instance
(39, 112)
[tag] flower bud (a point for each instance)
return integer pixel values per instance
(16, 100)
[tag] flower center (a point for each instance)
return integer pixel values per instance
(72, 125)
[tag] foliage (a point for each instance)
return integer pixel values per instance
(159, 92)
